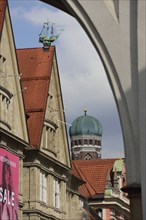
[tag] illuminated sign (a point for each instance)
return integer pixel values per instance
(9, 171)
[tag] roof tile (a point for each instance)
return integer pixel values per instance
(35, 66)
(2, 13)
(94, 173)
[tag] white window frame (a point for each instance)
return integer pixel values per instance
(43, 187)
(56, 193)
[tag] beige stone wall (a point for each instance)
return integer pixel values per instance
(74, 209)
(57, 146)
(33, 168)
(12, 116)
(11, 103)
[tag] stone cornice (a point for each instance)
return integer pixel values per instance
(42, 155)
(14, 137)
(40, 166)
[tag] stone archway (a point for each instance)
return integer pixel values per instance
(117, 31)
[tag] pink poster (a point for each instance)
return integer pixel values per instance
(9, 171)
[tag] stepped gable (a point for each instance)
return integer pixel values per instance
(35, 66)
(2, 13)
(94, 173)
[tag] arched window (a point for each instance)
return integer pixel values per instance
(96, 142)
(99, 143)
(88, 157)
(79, 142)
(85, 141)
(90, 142)
(75, 142)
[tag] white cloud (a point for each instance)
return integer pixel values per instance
(16, 12)
(39, 13)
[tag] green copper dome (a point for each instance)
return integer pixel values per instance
(85, 125)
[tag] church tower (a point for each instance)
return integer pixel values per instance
(86, 134)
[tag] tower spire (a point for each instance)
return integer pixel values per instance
(85, 111)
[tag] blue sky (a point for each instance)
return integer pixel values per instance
(83, 79)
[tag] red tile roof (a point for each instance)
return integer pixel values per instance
(2, 13)
(94, 173)
(35, 65)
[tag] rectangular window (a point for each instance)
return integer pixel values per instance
(43, 187)
(56, 193)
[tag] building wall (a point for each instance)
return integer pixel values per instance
(13, 129)
(57, 146)
(9, 80)
(59, 203)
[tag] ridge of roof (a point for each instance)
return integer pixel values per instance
(94, 162)
(94, 172)
(30, 48)
(87, 185)
(35, 65)
(3, 4)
